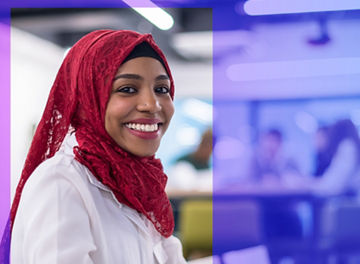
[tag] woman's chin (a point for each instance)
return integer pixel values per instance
(142, 152)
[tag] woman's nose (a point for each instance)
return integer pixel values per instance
(148, 102)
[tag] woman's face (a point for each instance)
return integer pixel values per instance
(140, 108)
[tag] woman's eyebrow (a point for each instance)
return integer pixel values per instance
(138, 77)
(162, 77)
(128, 76)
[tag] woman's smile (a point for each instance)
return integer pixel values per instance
(141, 103)
(145, 128)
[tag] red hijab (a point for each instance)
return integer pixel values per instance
(78, 99)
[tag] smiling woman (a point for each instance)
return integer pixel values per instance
(91, 190)
(140, 107)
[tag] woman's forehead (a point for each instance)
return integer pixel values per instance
(141, 66)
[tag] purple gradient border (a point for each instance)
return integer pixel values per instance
(4, 117)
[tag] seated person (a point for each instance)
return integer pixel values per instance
(269, 163)
(193, 170)
(342, 173)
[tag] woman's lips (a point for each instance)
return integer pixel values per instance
(144, 128)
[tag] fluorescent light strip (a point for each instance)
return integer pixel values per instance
(293, 69)
(154, 14)
(276, 7)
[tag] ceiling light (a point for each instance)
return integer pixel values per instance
(194, 44)
(154, 14)
(293, 69)
(276, 7)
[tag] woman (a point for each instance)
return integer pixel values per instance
(99, 198)
(342, 173)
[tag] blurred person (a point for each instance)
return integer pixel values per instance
(269, 164)
(200, 158)
(193, 170)
(342, 174)
(91, 190)
(271, 167)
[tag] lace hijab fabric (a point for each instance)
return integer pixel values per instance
(78, 100)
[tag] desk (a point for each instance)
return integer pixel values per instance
(188, 194)
(271, 200)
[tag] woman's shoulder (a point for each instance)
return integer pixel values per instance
(347, 145)
(60, 173)
(62, 167)
(58, 166)
(346, 151)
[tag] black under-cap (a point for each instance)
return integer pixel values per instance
(144, 50)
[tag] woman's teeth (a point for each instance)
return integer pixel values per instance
(143, 127)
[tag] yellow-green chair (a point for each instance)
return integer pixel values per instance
(195, 227)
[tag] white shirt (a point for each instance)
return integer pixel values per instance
(67, 216)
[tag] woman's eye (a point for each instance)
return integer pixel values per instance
(162, 90)
(126, 89)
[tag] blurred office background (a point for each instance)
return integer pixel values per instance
(274, 86)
